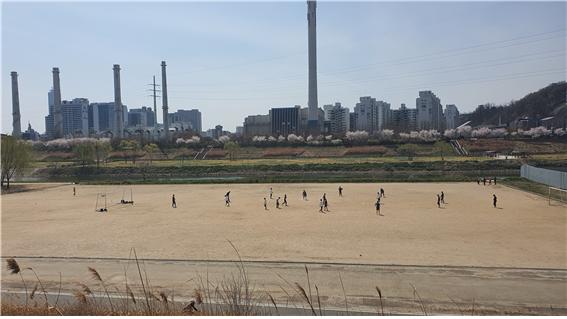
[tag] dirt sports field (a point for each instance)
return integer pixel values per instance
(524, 231)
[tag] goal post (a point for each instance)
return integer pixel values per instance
(557, 195)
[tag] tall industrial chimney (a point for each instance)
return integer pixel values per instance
(57, 112)
(164, 100)
(313, 112)
(17, 128)
(119, 113)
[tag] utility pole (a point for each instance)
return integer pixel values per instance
(155, 96)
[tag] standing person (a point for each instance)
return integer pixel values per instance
(227, 196)
(494, 180)
(494, 200)
(442, 197)
(278, 203)
(489, 181)
(478, 181)
(74, 191)
(377, 204)
(265, 204)
(285, 199)
(326, 204)
(340, 191)
(304, 195)
(438, 201)
(271, 193)
(173, 204)
(321, 205)
(226, 200)
(382, 194)
(484, 181)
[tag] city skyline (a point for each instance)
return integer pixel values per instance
(233, 73)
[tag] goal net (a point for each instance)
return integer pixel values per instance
(557, 196)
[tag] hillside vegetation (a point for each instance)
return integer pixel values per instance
(549, 101)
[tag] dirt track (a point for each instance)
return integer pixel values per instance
(524, 232)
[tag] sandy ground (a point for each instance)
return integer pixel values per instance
(523, 232)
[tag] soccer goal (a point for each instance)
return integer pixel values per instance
(557, 196)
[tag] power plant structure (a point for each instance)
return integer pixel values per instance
(119, 114)
(313, 126)
(57, 111)
(17, 127)
(164, 100)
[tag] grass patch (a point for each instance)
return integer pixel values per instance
(529, 186)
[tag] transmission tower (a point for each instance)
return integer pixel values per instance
(154, 91)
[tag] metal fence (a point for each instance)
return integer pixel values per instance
(545, 176)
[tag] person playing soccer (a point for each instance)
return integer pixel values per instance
(271, 193)
(494, 200)
(304, 195)
(278, 203)
(74, 191)
(265, 204)
(228, 196)
(494, 180)
(442, 197)
(438, 201)
(382, 194)
(321, 205)
(173, 203)
(377, 204)
(340, 191)
(285, 199)
(226, 201)
(326, 204)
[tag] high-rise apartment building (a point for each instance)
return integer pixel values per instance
(429, 111)
(371, 115)
(75, 117)
(338, 117)
(403, 120)
(451, 116)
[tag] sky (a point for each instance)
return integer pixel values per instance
(233, 59)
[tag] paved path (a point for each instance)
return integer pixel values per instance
(443, 289)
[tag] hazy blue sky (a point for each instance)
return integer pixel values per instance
(235, 59)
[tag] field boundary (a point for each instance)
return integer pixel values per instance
(272, 262)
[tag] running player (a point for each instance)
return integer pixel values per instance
(442, 197)
(271, 193)
(340, 191)
(438, 201)
(494, 200)
(321, 205)
(304, 195)
(382, 194)
(265, 204)
(173, 203)
(377, 204)
(278, 203)
(285, 199)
